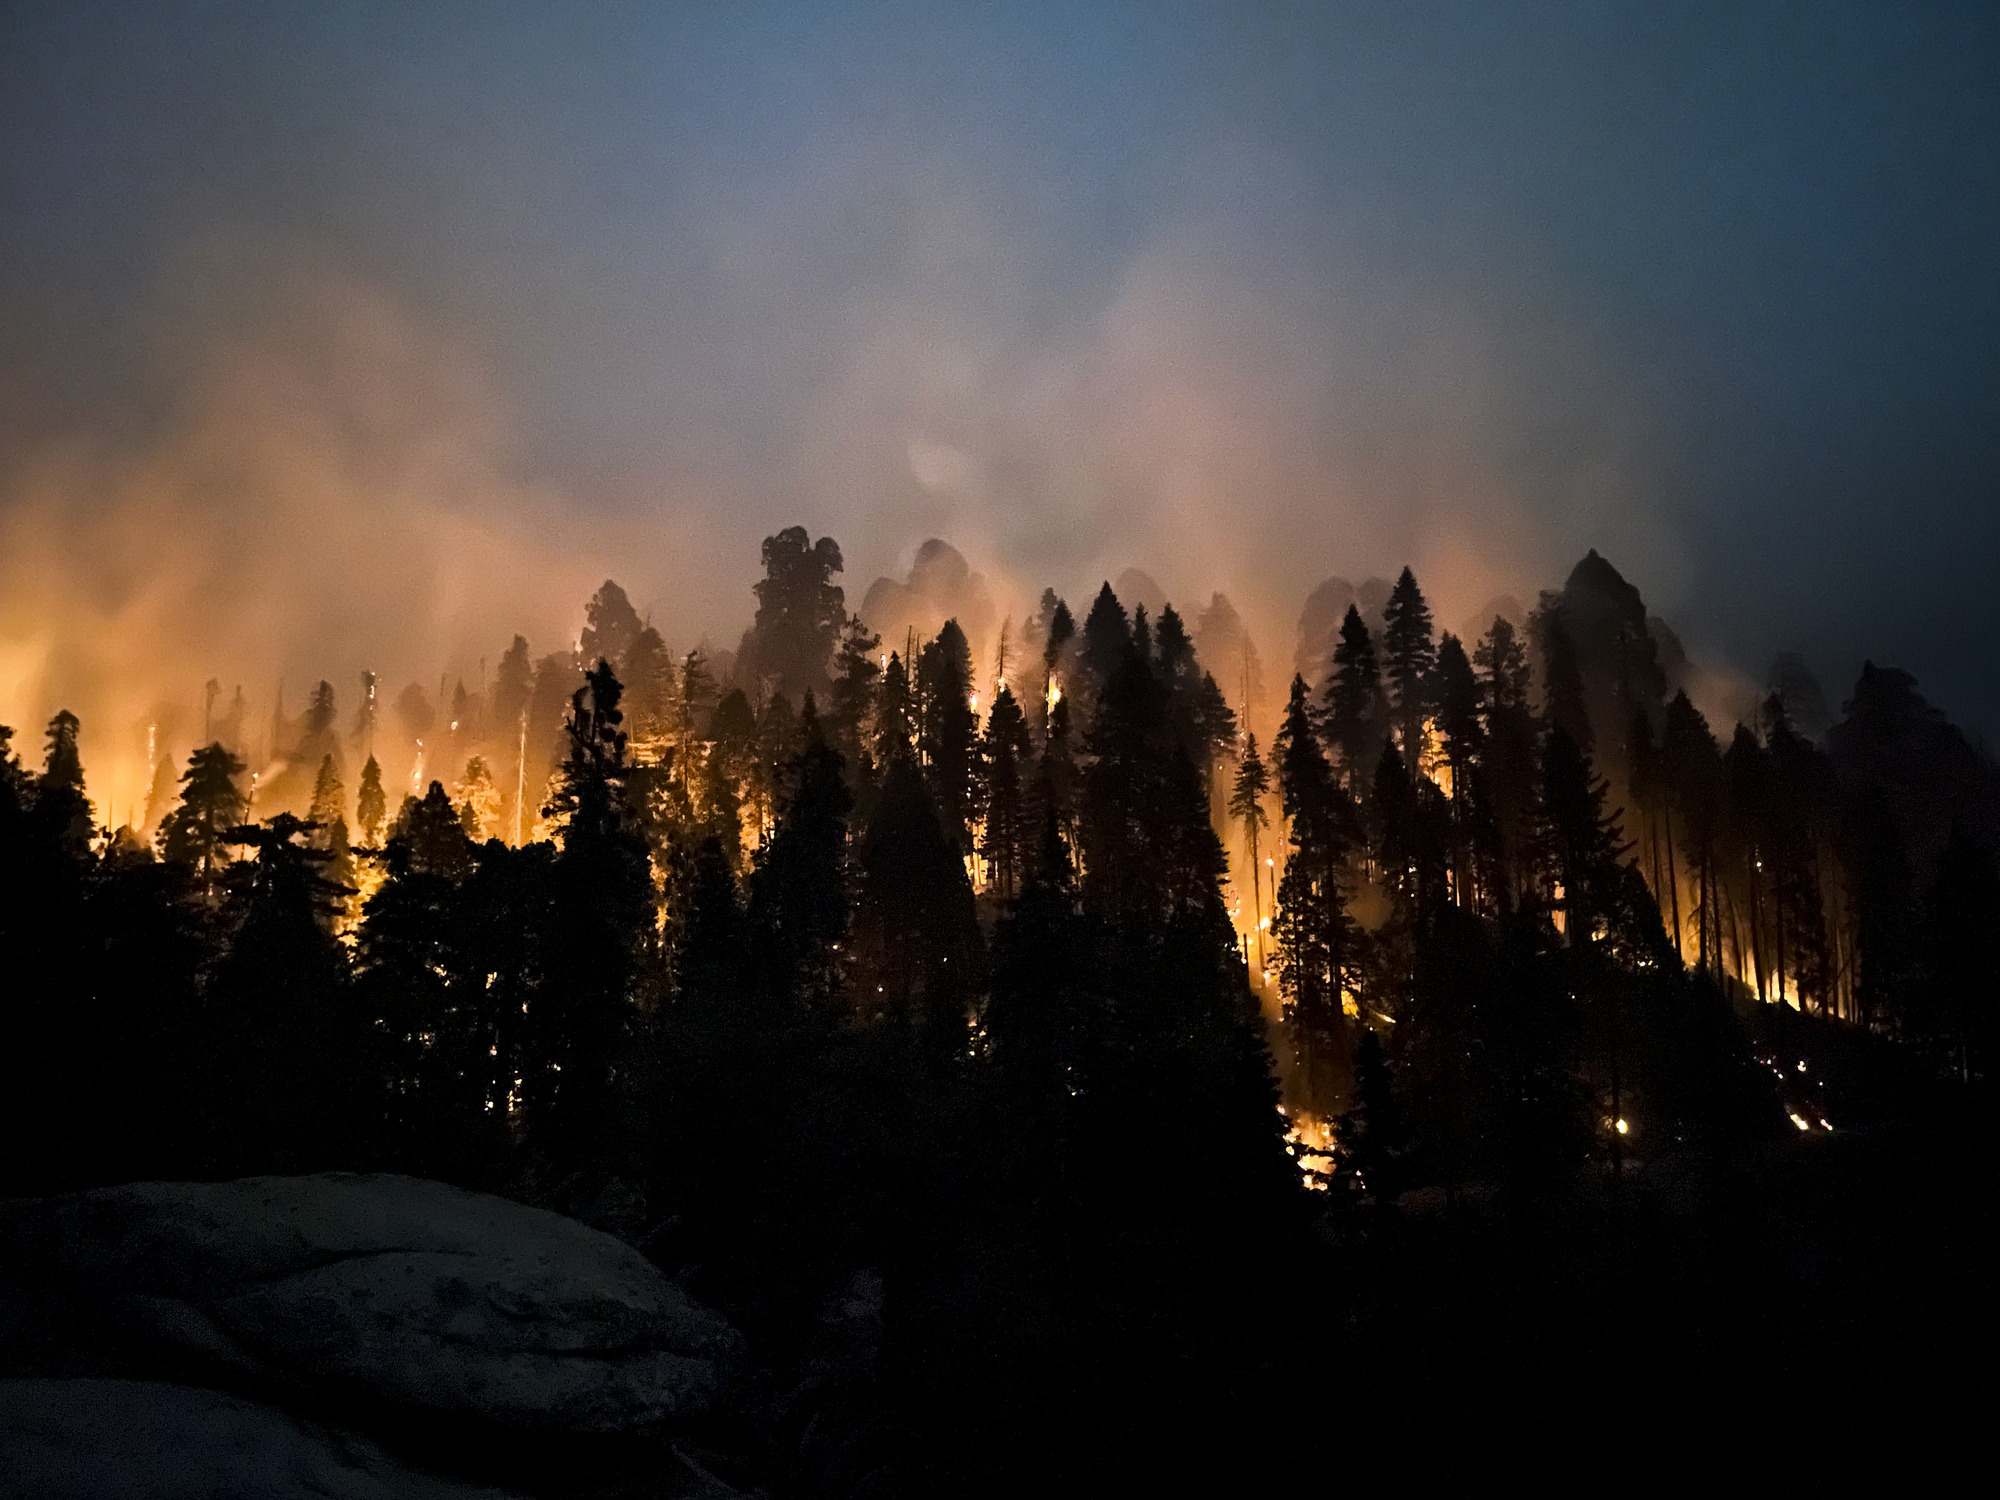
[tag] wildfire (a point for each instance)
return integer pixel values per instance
(1309, 1141)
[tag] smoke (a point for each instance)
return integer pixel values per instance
(886, 351)
(336, 492)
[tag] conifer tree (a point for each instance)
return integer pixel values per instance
(1057, 629)
(1511, 761)
(1693, 770)
(1563, 701)
(1246, 805)
(1748, 852)
(1142, 636)
(1056, 776)
(478, 800)
(1579, 841)
(857, 669)
(600, 926)
(1004, 840)
(695, 703)
(895, 713)
(778, 743)
(513, 684)
(948, 730)
(1803, 834)
(610, 626)
(800, 612)
(1408, 657)
(799, 890)
(212, 803)
(316, 728)
(1107, 639)
(916, 935)
(1040, 1022)
(329, 798)
(371, 807)
(647, 670)
(1463, 738)
(1315, 936)
(1356, 709)
(61, 807)
(284, 1042)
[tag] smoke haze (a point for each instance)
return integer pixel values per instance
(337, 342)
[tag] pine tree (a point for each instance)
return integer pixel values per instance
(695, 703)
(778, 743)
(194, 834)
(1408, 658)
(445, 1010)
(895, 713)
(647, 670)
(1246, 805)
(61, 806)
(856, 671)
(1142, 636)
(1316, 938)
(1056, 628)
(1107, 640)
(371, 808)
(1510, 765)
(1356, 709)
(948, 730)
(1579, 841)
(329, 798)
(799, 890)
(478, 800)
(600, 928)
(1055, 793)
(284, 1044)
(916, 937)
(1693, 770)
(1004, 840)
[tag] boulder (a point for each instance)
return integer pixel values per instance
(145, 1440)
(393, 1289)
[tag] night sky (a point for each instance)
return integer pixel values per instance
(1242, 299)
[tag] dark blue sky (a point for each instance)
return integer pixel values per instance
(1245, 299)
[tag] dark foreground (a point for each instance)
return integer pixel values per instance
(379, 1336)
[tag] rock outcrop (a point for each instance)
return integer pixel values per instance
(386, 1289)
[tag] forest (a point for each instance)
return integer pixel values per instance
(1492, 1017)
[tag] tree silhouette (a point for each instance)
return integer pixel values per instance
(610, 625)
(799, 891)
(1408, 657)
(1316, 938)
(1005, 759)
(371, 808)
(1356, 709)
(800, 612)
(1246, 804)
(599, 931)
